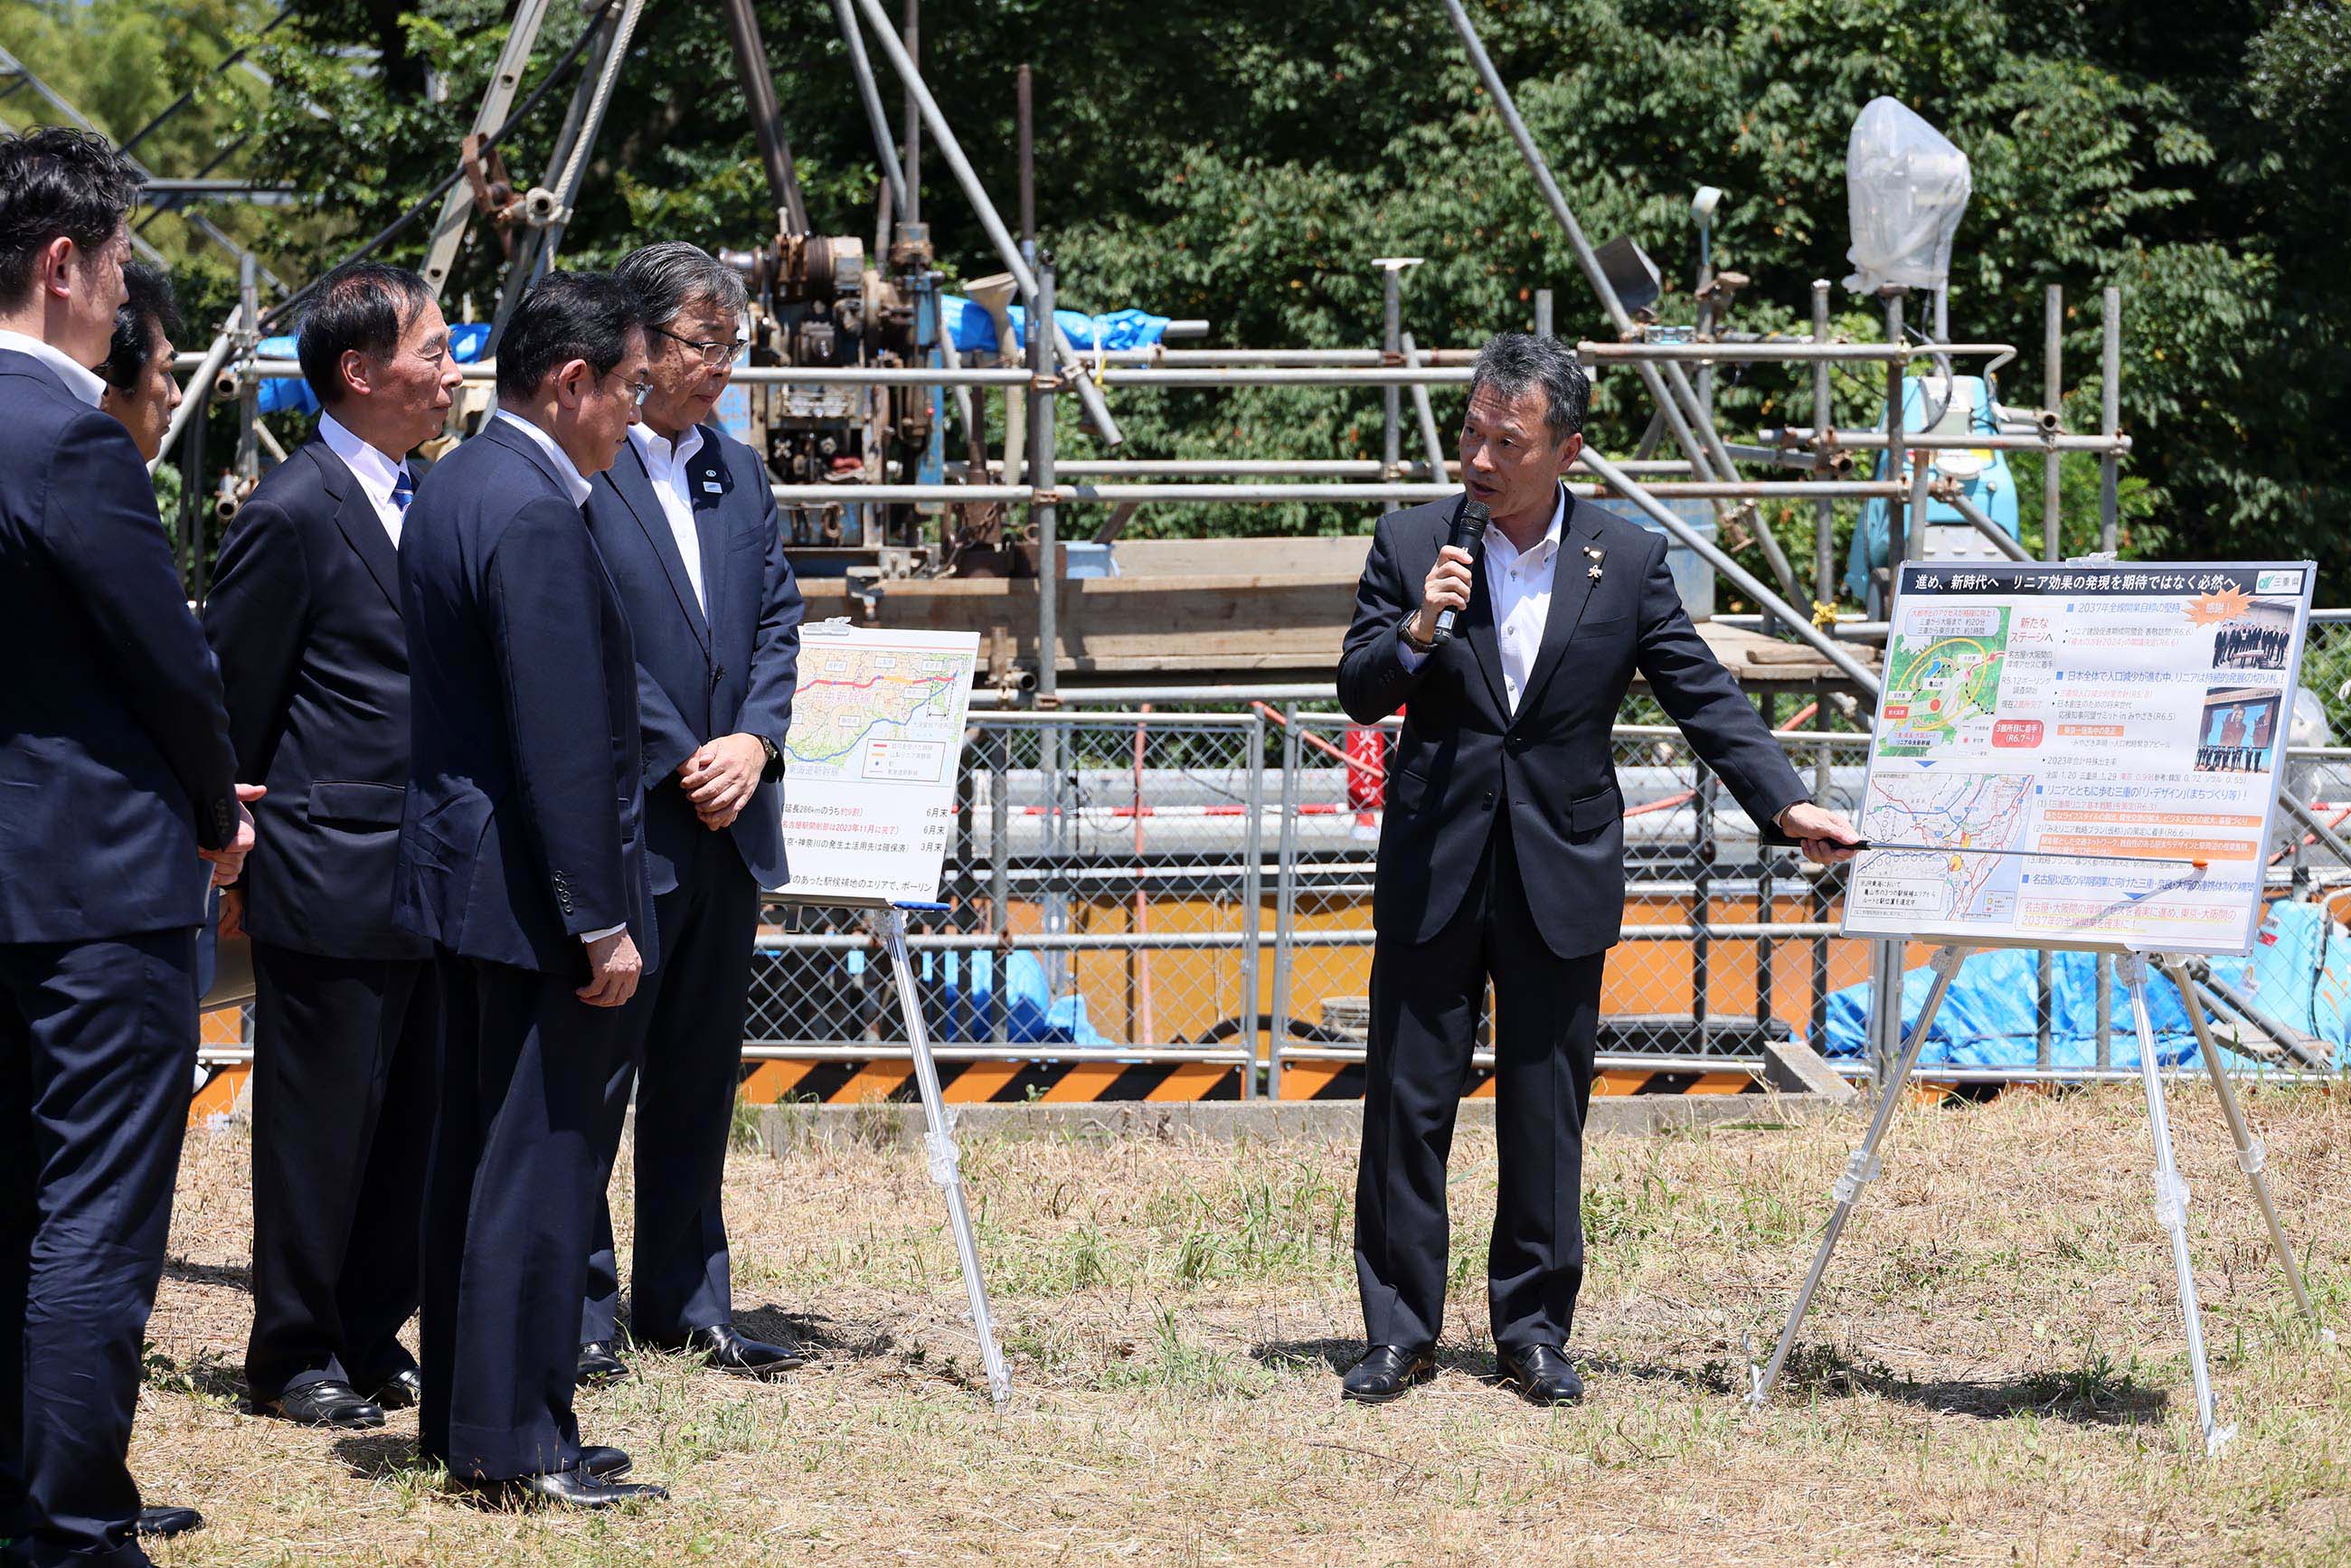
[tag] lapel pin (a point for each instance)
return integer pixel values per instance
(1595, 553)
(1593, 574)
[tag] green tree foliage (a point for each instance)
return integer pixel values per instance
(1245, 164)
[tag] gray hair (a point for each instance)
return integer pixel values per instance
(671, 275)
(1513, 362)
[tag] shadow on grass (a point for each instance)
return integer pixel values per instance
(2100, 1392)
(233, 1276)
(386, 1456)
(819, 1337)
(1336, 1356)
(209, 1378)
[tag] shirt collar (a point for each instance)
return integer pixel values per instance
(1544, 549)
(651, 446)
(578, 488)
(372, 466)
(80, 380)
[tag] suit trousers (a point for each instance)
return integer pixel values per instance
(686, 1059)
(509, 1214)
(343, 1066)
(1427, 1000)
(98, 1053)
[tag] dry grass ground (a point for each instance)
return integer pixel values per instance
(1994, 1372)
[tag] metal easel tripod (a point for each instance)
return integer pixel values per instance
(1864, 1166)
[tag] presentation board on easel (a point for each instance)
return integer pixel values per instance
(2079, 755)
(869, 770)
(870, 763)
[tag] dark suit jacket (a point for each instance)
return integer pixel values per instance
(115, 764)
(305, 617)
(697, 678)
(521, 830)
(1464, 757)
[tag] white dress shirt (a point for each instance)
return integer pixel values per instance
(565, 469)
(665, 465)
(1518, 586)
(579, 490)
(376, 471)
(80, 380)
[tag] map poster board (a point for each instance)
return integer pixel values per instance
(870, 764)
(2120, 712)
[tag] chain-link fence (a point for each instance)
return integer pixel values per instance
(1191, 890)
(1105, 886)
(1726, 943)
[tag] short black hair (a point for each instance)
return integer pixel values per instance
(364, 307)
(567, 316)
(1510, 362)
(58, 182)
(151, 315)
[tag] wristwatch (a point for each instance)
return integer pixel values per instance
(1404, 630)
(768, 747)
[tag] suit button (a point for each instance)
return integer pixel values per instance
(717, 673)
(1489, 802)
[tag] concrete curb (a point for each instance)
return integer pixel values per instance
(783, 1128)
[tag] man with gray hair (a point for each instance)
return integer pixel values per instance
(1501, 854)
(686, 525)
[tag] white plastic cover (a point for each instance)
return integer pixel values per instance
(1907, 187)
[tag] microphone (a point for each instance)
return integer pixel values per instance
(1468, 533)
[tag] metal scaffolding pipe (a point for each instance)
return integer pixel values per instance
(869, 93)
(1794, 435)
(208, 366)
(1983, 525)
(1707, 490)
(1097, 411)
(1669, 400)
(1740, 578)
(1269, 467)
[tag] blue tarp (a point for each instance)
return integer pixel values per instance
(972, 329)
(960, 992)
(466, 341)
(2299, 974)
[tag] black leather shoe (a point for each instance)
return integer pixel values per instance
(730, 1351)
(568, 1488)
(1385, 1372)
(163, 1523)
(606, 1464)
(326, 1403)
(599, 1365)
(1543, 1374)
(402, 1391)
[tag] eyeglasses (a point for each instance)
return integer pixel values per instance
(636, 390)
(714, 354)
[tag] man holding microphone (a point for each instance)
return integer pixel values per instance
(1501, 854)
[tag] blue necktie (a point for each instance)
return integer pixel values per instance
(403, 490)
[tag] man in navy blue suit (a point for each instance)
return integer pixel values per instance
(1502, 853)
(687, 523)
(115, 777)
(521, 856)
(305, 618)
